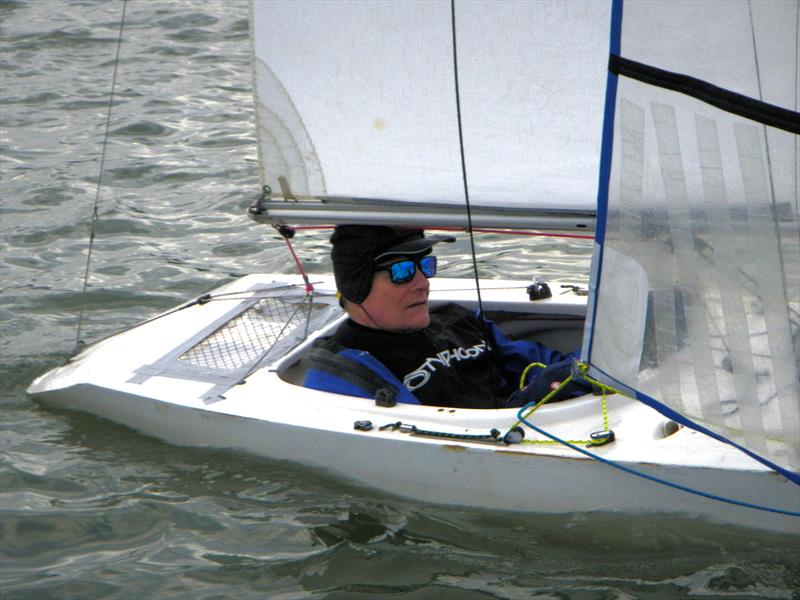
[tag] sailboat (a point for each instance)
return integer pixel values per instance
(670, 129)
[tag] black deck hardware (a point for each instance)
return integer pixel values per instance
(386, 397)
(258, 208)
(578, 291)
(514, 436)
(539, 291)
(493, 437)
(601, 438)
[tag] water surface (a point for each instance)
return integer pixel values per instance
(90, 509)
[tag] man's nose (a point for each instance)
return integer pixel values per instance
(419, 280)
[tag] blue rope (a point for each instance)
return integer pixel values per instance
(651, 477)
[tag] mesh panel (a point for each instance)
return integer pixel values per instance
(255, 333)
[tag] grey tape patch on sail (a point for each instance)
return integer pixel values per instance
(285, 148)
(696, 370)
(726, 280)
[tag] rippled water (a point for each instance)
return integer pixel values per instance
(90, 509)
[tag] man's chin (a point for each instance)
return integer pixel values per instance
(419, 321)
(415, 315)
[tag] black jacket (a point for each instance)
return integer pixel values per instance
(445, 364)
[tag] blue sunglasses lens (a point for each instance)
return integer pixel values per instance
(403, 271)
(428, 266)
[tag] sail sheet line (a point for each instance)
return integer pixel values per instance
(732, 102)
(463, 161)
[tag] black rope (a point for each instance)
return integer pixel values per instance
(78, 342)
(464, 165)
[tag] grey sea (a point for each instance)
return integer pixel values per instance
(90, 509)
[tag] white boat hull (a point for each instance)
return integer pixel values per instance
(272, 417)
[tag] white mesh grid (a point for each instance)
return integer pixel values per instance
(254, 334)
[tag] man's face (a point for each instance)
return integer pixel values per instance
(396, 306)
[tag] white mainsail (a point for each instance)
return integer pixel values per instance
(702, 221)
(357, 100)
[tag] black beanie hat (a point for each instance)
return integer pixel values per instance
(357, 248)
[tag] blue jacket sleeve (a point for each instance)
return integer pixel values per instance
(326, 381)
(514, 355)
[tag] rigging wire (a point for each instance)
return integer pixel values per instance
(288, 233)
(463, 162)
(78, 342)
(778, 230)
(769, 169)
(237, 296)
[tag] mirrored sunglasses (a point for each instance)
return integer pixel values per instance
(403, 271)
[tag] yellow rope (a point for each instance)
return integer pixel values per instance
(525, 372)
(583, 368)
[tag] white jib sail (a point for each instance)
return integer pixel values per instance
(697, 296)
